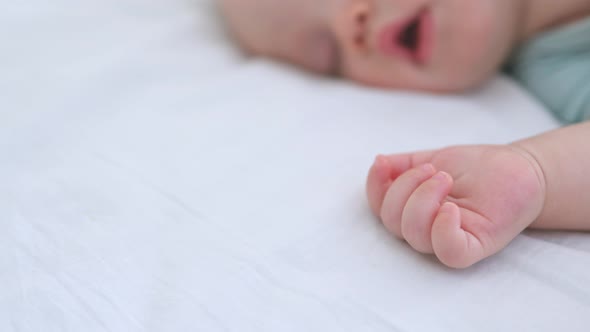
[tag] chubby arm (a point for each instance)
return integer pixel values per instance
(563, 160)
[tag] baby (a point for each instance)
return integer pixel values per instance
(461, 203)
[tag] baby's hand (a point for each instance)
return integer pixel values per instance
(461, 203)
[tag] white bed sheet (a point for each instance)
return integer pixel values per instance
(153, 179)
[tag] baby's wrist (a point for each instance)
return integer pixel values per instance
(533, 158)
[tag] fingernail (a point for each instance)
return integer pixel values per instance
(428, 168)
(441, 176)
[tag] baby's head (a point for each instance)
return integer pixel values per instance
(434, 45)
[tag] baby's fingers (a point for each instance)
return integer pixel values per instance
(387, 169)
(421, 209)
(398, 194)
(454, 246)
(378, 182)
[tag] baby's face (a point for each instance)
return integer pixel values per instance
(435, 45)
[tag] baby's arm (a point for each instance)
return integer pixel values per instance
(465, 203)
(564, 158)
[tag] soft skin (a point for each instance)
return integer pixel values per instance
(461, 203)
(466, 203)
(469, 39)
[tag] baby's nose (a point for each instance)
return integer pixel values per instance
(352, 26)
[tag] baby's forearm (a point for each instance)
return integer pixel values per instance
(564, 158)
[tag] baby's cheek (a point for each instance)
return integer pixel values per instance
(471, 48)
(362, 71)
(388, 75)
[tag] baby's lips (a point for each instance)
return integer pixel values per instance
(426, 37)
(388, 41)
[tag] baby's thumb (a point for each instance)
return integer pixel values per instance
(452, 245)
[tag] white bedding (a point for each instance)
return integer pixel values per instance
(153, 179)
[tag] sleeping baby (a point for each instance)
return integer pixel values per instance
(460, 203)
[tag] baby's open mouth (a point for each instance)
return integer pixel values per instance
(410, 36)
(410, 39)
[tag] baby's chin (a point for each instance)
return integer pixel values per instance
(438, 85)
(453, 83)
(446, 80)
(455, 86)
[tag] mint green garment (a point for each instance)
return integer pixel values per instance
(555, 67)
